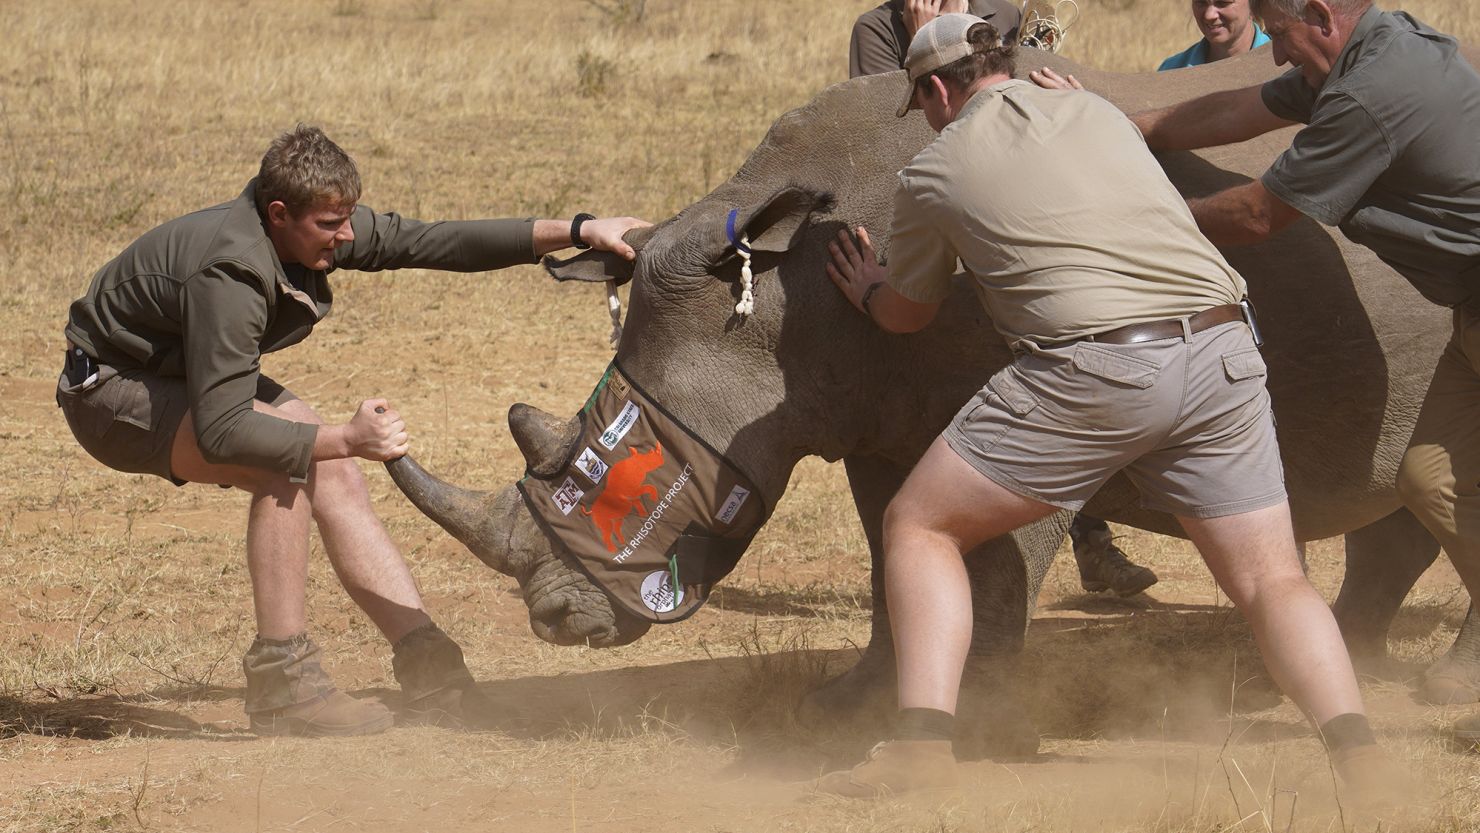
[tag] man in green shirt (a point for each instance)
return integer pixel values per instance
(162, 377)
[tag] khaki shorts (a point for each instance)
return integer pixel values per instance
(1187, 419)
(129, 419)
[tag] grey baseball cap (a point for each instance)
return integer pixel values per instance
(939, 42)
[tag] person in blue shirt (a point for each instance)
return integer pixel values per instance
(1228, 29)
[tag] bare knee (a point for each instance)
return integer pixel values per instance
(1258, 590)
(905, 520)
(337, 481)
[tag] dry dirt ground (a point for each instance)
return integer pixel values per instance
(127, 607)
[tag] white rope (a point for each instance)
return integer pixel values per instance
(614, 306)
(747, 280)
(1047, 33)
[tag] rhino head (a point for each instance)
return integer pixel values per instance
(686, 345)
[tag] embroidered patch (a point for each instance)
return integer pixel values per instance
(568, 496)
(620, 426)
(658, 592)
(592, 466)
(732, 504)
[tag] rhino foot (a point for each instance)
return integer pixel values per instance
(863, 697)
(1450, 682)
(992, 722)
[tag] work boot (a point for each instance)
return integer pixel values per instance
(1102, 565)
(437, 687)
(895, 768)
(288, 693)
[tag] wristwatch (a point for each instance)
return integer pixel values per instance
(575, 230)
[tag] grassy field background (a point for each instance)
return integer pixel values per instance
(127, 605)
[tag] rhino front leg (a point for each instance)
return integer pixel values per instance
(865, 695)
(1455, 678)
(1383, 560)
(1006, 574)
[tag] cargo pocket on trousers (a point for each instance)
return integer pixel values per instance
(131, 402)
(1019, 400)
(1243, 364)
(1111, 366)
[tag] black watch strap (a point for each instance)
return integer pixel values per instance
(575, 230)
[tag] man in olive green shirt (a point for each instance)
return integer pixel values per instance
(163, 377)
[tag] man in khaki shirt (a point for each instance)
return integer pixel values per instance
(1132, 355)
(880, 37)
(162, 377)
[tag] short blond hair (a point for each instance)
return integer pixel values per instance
(303, 168)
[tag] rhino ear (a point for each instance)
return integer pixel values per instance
(595, 267)
(774, 223)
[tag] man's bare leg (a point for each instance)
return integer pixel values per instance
(288, 691)
(368, 563)
(1254, 559)
(943, 510)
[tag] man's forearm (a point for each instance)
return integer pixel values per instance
(551, 236)
(1218, 119)
(1241, 215)
(894, 313)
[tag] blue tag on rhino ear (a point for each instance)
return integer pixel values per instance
(730, 232)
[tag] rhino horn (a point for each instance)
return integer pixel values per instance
(544, 439)
(467, 515)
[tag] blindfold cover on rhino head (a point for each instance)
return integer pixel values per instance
(652, 513)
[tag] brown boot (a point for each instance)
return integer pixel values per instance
(437, 687)
(1102, 565)
(897, 767)
(288, 693)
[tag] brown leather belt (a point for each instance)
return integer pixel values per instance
(1170, 327)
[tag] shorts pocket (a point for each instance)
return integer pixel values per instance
(1247, 363)
(1018, 399)
(1111, 366)
(131, 401)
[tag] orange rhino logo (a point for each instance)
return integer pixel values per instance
(623, 494)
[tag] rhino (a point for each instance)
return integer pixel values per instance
(1350, 348)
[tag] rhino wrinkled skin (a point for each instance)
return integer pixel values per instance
(1350, 347)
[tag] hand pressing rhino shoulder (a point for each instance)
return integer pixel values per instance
(1349, 346)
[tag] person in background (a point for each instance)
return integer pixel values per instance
(882, 34)
(1228, 29)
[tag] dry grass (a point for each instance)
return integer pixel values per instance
(128, 604)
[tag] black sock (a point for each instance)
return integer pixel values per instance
(1347, 731)
(924, 724)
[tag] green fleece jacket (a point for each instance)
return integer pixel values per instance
(204, 296)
